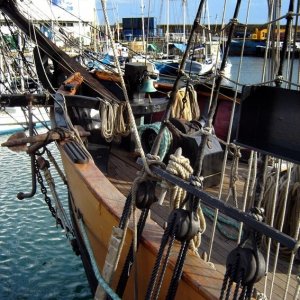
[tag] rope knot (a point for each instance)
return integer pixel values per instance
(207, 130)
(289, 15)
(234, 21)
(63, 133)
(279, 79)
(182, 73)
(221, 73)
(196, 181)
(258, 213)
(152, 158)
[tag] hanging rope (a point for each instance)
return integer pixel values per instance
(293, 204)
(236, 153)
(121, 122)
(178, 165)
(186, 106)
(107, 117)
(112, 120)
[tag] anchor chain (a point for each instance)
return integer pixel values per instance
(48, 199)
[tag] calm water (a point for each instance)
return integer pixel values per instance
(251, 70)
(36, 260)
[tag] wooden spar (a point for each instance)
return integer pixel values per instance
(49, 136)
(64, 62)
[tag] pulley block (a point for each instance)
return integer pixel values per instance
(185, 222)
(145, 194)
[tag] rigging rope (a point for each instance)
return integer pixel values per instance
(99, 277)
(179, 165)
(293, 204)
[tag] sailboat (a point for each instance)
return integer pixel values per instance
(138, 218)
(204, 57)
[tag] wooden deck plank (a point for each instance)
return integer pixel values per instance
(122, 171)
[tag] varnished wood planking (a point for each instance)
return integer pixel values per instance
(122, 171)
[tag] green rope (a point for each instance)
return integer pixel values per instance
(99, 277)
(165, 141)
(223, 221)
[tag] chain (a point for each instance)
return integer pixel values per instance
(48, 199)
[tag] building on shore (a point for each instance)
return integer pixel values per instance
(62, 21)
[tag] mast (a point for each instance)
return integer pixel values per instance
(80, 32)
(106, 29)
(168, 21)
(143, 25)
(21, 63)
(184, 16)
(95, 30)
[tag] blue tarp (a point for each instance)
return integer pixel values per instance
(179, 46)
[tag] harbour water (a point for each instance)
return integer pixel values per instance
(36, 260)
(251, 70)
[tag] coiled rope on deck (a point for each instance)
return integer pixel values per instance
(179, 165)
(165, 141)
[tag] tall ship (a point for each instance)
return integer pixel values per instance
(188, 190)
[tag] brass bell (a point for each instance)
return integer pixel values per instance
(147, 85)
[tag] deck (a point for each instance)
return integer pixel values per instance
(122, 170)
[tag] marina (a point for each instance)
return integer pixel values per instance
(143, 188)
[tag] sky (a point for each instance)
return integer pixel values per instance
(118, 9)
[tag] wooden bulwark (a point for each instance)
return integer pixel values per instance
(100, 200)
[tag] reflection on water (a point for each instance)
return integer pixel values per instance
(251, 71)
(36, 259)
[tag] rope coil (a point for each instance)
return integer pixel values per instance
(179, 165)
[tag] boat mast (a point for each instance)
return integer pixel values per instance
(21, 63)
(208, 22)
(106, 29)
(143, 26)
(167, 32)
(184, 21)
(79, 32)
(95, 29)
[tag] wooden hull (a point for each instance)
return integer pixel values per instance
(101, 204)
